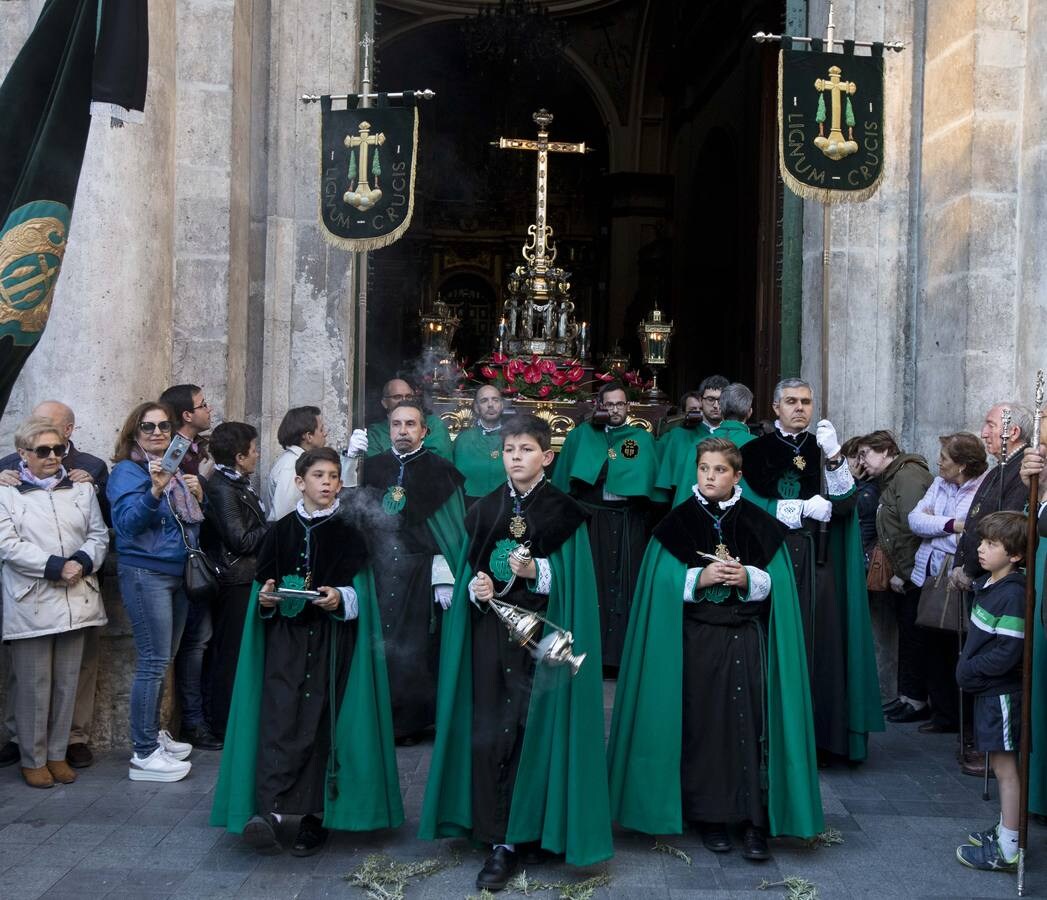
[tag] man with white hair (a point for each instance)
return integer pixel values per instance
(81, 467)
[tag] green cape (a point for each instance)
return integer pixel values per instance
(1038, 756)
(438, 440)
(472, 457)
(560, 795)
(584, 453)
(368, 781)
(678, 467)
(864, 707)
(646, 727)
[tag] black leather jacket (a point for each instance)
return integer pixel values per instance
(234, 526)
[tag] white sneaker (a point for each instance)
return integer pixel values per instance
(174, 749)
(157, 766)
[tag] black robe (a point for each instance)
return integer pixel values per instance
(294, 729)
(402, 547)
(618, 533)
(503, 670)
(770, 472)
(723, 758)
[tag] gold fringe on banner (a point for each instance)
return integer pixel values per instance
(808, 192)
(365, 245)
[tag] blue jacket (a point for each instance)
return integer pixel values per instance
(147, 535)
(991, 661)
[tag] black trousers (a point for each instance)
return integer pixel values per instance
(912, 646)
(943, 651)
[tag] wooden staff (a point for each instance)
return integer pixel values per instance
(1030, 612)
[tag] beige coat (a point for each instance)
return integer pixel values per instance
(38, 531)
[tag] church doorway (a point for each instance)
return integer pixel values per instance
(679, 205)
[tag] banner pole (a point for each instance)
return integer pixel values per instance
(830, 33)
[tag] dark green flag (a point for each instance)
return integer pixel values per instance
(79, 50)
(830, 123)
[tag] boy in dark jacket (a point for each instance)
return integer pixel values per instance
(990, 668)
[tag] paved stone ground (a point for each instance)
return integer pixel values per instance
(901, 815)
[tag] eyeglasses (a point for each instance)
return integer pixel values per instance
(399, 398)
(708, 399)
(150, 427)
(618, 404)
(204, 405)
(43, 451)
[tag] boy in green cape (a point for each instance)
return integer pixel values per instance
(712, 717)
(519, 755)
(310, 730)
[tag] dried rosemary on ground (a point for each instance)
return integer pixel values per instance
(826, 838)
(385, 879)
(567, 890)
(659, 847)
(797, 888)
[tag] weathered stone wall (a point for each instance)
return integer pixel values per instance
(869, 282)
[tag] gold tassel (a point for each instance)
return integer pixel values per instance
(365, 245)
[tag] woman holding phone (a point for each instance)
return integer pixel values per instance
(148, 502)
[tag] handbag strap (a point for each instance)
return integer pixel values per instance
(189, 548)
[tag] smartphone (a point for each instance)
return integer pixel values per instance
(175, 451)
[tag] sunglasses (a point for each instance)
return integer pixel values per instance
(150, 427)
(43, 451)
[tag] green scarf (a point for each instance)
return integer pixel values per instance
(678, 468)
(646, 726)
(473, 458)
(586, 450)
(560, 795)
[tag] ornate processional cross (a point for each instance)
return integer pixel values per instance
(540, 252)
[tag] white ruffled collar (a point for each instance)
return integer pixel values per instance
(727, 504)
(784, 433)
(318, 514)
(403, 457)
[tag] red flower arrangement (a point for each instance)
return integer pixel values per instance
(533, 377)
(630, 379)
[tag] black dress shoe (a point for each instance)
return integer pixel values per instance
(909, 713)
(79, 756)
(260, 834)
(754, 844)
(497, 870)
(894, 705)
(933, 727)
(201, 737)
(311, 837)
(9, 754)
(716, 838)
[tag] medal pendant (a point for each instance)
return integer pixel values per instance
(394, 500)
(517, 526)
(611, 454)
(722, 552)
(799, 462)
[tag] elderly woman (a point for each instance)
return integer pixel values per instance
(151, 509)
(939, 519)
(904, 479)
(52, 541)
(478, 451)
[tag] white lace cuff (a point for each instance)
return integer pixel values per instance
(690, 583)
(441, 572)
(838, 481)
(350, 603)
(789, 512)
(759, 585)
(607, 495)
(544, 582)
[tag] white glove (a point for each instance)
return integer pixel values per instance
(818, 508)
(443, 594)
(825, 434)
(357, 443)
